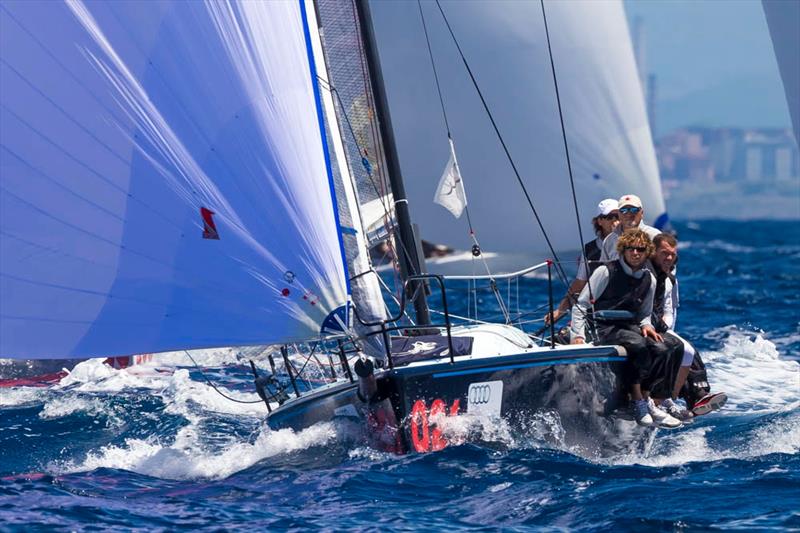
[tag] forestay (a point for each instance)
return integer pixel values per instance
(165, 182)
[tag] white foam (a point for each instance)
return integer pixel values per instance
(15, 396)
(186, 458)
(182, 390)
(471, 427)
(60, 407)
(749, 368)
(760, 386)
(778, 436)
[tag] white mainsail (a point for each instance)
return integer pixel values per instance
(164, 179)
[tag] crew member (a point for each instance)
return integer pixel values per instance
(604, 222)
(631, 213)
(625, 286)
(665, 306)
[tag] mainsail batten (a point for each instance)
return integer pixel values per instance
(119, 127)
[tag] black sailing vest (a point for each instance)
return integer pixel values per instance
(659, 300)
(592, 253)
(623, 292)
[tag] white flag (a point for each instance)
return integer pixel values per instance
(450, 192)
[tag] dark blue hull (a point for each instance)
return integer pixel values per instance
(578, 389)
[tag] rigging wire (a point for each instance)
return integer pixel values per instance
(566, 151)
(215, 387)
(473, 236)
(559, 270)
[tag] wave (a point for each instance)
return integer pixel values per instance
(762, 417)
(189, 458)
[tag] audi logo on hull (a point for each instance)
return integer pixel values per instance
(485, 398)
(480, 394)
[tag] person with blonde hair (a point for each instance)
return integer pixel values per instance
(621, 312)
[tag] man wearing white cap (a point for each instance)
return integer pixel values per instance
(604, 223)
(631, 213)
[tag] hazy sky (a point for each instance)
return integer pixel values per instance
(714, 63)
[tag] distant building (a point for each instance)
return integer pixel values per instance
(755, 156)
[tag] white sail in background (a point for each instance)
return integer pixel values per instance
(450, 193)
(605, 117)
(164, 181)
(604, 110)
(783, 19)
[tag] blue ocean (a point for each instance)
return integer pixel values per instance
(156, 448)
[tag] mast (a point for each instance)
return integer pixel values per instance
(407, 249)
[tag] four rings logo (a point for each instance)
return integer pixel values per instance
(480, 394)
(485, 398)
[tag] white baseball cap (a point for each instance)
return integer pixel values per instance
(607, 206)
(631, 200)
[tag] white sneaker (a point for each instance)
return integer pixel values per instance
(662, 418)
(676, 410)
(641, 413)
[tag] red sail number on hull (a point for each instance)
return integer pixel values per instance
(425, 432)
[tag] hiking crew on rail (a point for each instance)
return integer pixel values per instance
(630, 300)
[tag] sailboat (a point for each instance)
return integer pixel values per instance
(194, 175)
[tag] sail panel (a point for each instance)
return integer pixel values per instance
(164, 180)
(783, 19)
(348, 79)
(604, 109)
(504, 41)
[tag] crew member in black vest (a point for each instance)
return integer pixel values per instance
(696, 391)
(626, 286)
(604, 222)
(670, 354)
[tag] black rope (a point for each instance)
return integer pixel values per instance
(566, 148)
(472, 234)
(559, 269)
(433, 66)
(215, 387)
(313, 349)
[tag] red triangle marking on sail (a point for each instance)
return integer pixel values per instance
(209, 228)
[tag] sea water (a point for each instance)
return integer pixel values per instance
(156, 448)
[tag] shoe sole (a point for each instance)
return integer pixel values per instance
(713, 402)
(664, 426)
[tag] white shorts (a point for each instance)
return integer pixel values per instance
(688, 351)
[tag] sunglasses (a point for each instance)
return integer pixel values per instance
(611, 216)
(640, 249)
(631, 210)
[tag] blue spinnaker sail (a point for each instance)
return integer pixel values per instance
(163, 182)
